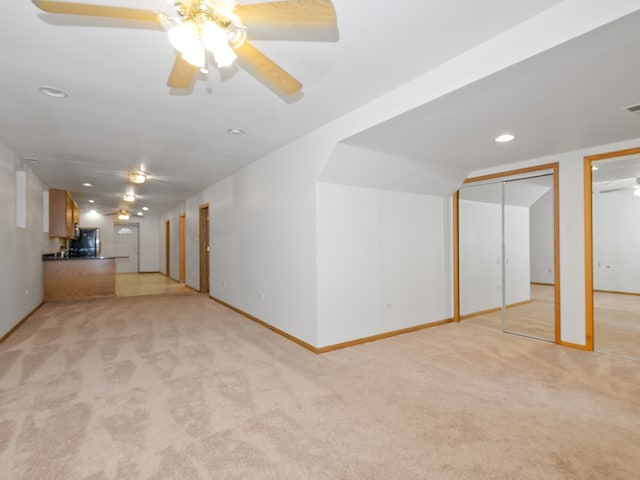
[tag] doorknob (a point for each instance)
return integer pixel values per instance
(208, 249)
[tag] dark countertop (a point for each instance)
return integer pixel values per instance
(47, 257)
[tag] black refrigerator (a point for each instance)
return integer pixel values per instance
(87, 244)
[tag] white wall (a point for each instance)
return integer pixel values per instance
(21, 280)
(173, 216)
(263, 237)
(263, 217)
(192, 247)
(541, 235)
(382, 261)
(149, 256)
(616, 242)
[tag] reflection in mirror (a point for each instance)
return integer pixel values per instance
(529, 257)
(511, 219)
(480, 254)
(616, 256)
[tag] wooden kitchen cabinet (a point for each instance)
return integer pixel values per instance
(63, 214)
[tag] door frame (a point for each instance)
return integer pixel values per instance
(556, 238)
(167, 259)
(183, 247)
(203, 248)
(588, 239)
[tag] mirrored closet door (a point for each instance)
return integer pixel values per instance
(507, 256)
(616, 255)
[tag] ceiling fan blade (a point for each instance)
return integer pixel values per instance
(292, 13)
(182, 74)
(267, 69)
(68, 8)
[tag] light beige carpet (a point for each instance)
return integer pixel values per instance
(178, 387)
(616, 322)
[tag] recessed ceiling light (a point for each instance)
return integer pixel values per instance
(504, 138)
(140, 214)
(235, 131)
(129, 197)
(145, 208)
(594, 168)
(92, 201)
(137, 177)
(87, 184)
(53, 92)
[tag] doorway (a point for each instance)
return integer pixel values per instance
(612, 205)
(167, 254)
(204, 248)
(183, 241)
(506, 253)
(126, 240)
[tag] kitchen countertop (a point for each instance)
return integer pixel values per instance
(47, 257)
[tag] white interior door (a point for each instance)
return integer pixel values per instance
(126, 244)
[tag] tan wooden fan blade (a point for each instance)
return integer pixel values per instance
(292, 13)
(68, 8)
(182, 74)
(267, 69)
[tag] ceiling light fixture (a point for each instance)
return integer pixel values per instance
(235, 131)
(137, 177)
(129, 197)
(87, 184)
(140, 214)
(123, 215)
(53, 92)
(145, 208)
(594, 168)
(92, 201)
(206, 26)
(504, 138)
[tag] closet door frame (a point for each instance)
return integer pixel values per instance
(556, 238)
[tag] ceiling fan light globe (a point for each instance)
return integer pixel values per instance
(224, 57)
(215, 40)
(184, 36)
(195, 55)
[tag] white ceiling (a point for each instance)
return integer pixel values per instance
(567, 98)
(120, 114)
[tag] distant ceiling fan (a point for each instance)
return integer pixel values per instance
(619, 185)
(122, 213)
(218, 27)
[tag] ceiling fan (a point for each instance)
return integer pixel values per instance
(217, 28)
(619, 185)
(122, 213)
